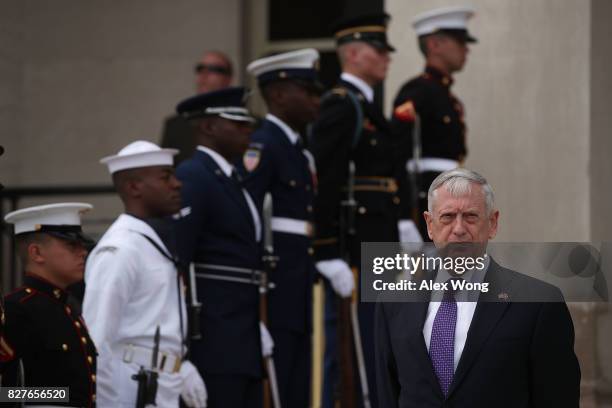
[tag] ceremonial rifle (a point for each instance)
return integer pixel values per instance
(147, 379)
(269, 260)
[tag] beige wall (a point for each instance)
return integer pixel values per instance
(81, 79)
(527, 98)
(90, 76)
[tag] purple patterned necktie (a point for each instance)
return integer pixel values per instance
(442, 343)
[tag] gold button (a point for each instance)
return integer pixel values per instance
(357, 35)
(93, 397)
(362, 210)
(93, 377)
(282, 74)
(65, 347)
(445, 81)
(292, 183)
(68, 310)
(396, 200)
(447, 119)
(373, 142)
(28, 290)
(310, 251)
(77, 324)
(90, 359)
(309, 208)
(83, 340)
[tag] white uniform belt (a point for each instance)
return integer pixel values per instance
(166, 362)
(292, 226)
(432, 164)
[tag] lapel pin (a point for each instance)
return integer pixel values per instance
(503, 296)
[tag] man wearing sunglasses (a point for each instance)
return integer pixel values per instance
(213, 71)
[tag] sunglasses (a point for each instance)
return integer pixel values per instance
(217, 69)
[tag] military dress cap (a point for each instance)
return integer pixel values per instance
(228, 103)
(369, 28)
(300, 65)
(449, 20)
(62, 220)
(139, 154)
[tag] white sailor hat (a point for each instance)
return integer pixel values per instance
(139, 154)
(450, 20)
(297, 65)
(62, 220)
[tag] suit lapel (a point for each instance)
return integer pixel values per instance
(486, 317)
(233, 191)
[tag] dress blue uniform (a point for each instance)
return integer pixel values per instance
(276, 162)
(44, 331)
(219, 233)
(351, 127)
(285, 172)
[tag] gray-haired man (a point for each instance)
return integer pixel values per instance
(475, 354)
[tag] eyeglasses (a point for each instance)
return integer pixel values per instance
(217, 69)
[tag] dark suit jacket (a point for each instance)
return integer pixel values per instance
(517, 354)
(220, 230)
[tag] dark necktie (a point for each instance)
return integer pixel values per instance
(442, 343)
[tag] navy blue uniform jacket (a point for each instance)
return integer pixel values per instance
(220, 230)
(283, 170)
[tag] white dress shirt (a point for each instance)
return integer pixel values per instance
(363, 87)
(466, 305)
(227, 169)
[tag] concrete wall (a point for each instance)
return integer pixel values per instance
(92, 76)
(601, 120)
(527, 97)
(81, 79)
(11, 86)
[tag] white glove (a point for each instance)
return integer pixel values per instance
(267, 344)
(409, 236)
(194, 392)
(339, 275)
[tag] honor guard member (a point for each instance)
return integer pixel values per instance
(45, 342)
(277, 162)
(133, 286)
(219, 236)
(443, 39)
(351, 128)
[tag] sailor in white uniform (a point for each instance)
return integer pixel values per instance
(133, 286)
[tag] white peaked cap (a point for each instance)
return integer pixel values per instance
(34, 219)
(453, 18)
(300, 59)
(139, 154)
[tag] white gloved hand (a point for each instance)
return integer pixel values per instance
(267, 344)
(339, 275)
(194, 392)
(409, 235)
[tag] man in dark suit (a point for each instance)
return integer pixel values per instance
(443, 39)
(512, 348)
(213, 72)
(219, 234)
(277, 163)
(352, 130)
